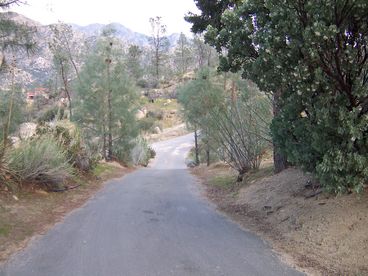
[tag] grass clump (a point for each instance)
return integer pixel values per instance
(223, 181)
(42, 161)
(102, 168)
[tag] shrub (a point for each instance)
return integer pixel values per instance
(7, 176)
(41, 161)
(341, 172)
(146, 124)
(69, 136)
(51, 114)
(158, 114)
(143, 83)
(141, 152)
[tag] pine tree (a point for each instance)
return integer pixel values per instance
(106, 98)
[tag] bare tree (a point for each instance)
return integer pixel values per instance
(61, 45)
(159, 43)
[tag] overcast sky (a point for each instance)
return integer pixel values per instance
(133, 14)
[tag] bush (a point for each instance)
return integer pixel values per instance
(341, 173)
(146, 124)
(41, 161)
(143, 83)
(70, 138)
(158, 114)
(7, 176)
(141, 152)
(51, 114)
(327, 140)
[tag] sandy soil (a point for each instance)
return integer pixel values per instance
(318, 233)
(34, 211)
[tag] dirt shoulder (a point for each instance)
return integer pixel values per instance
(319, 234)
(33, 211)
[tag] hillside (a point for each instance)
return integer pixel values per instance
(36, 68)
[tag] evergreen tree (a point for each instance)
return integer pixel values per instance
(14, 37)
(106, 98)
(313, 57)
(134, 62)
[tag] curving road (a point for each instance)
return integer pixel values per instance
(150, 222)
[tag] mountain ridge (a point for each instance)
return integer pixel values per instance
(37, 68)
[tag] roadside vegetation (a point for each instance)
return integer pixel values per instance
(303, 98)
(275, 94)
(91, 115)
(312, 62)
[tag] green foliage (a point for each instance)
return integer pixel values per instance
(102, 168)
(40, 161)
(314, 61)
(236, 129)
(14, 36)
(134, 64)
(51, 114)
(18, 114)
(70, 138)
(106, 100)
(341, 173)
(147, 124)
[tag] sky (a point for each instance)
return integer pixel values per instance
(133, 14)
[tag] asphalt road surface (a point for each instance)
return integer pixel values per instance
(150, 222)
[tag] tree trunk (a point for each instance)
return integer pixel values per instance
(104, 142)
(109, 107)
(110, 128)
(65, 81)
(208, 155)
(10, 112)
(196, 146)
(279, 159)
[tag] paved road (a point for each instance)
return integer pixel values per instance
(151, 222)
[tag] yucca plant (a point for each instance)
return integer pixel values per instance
(42, 161)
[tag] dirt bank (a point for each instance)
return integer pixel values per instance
(321, 234)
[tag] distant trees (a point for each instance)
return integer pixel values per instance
(134, 62)
(159, 45)
(203, 54)
(14, 37)
(312, 57)
(64, 50)
(183, 55)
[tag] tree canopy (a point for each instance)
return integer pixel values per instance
(314, 55)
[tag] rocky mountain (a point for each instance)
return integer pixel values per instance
(36, 69)
(125, 34)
